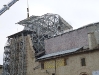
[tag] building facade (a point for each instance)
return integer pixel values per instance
(81, 63)
(49, 46)
(75, 61)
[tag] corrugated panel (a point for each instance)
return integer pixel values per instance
(51, 63)
(59, 62)
(59, 53)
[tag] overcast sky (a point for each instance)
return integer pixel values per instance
(76, 12)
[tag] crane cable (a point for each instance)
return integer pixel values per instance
(27, 13)
(27, 9)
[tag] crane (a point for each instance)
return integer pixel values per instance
(6, 7)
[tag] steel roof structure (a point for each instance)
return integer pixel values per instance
(44, 27)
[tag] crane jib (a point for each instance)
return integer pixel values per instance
(6, 7)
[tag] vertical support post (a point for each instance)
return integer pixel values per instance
(55, 66)
(23, 54)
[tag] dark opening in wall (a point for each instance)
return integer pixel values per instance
(42, 65)
(53, 73)
(83, 62)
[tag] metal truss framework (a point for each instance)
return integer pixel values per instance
(44, 27)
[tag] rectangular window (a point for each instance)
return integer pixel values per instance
(65, 61)
(0, 67)
(42, 65)
(83, 62)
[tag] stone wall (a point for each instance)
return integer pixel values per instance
(73, 66)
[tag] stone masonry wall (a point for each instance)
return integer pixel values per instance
(73, 66)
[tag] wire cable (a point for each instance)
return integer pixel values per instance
(27, 9)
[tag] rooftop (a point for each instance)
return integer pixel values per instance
(64, 52)
(72, 39)
(20, 33)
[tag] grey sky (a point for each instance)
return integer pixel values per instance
(76, 12)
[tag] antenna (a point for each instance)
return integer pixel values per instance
(27, 9)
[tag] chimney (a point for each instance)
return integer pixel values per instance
(92, 41)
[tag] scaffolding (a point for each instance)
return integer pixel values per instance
(6, 58)
(39, 28)
(15, 56)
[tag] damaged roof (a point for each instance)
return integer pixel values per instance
(59, 53)
(37, 18)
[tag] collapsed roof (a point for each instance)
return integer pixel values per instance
(44, 27)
